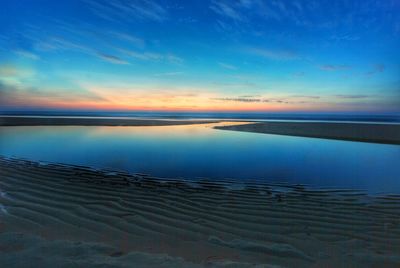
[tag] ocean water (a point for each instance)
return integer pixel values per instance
(199, 151)
(259, 116)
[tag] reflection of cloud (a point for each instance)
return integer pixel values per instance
(330, 67)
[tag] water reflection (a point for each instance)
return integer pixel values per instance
(194, 151)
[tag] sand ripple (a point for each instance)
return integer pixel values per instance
(59, 212)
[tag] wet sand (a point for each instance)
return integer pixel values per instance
(93, 121)
(365, 132)
(55, 215)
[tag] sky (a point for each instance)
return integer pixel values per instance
(200, 55)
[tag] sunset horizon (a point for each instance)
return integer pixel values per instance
(206, 56)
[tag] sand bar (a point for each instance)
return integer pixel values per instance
(93, 121)
(365, 132)
(55, 215)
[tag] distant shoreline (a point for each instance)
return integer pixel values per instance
(252, 116)
(85, 121)
(366, 132)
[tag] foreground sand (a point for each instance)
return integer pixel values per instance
(69, 216)
(367, 132)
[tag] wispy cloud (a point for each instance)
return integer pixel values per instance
(377, 68)
(239, 99)
(151, 56)
(169, 74)
(345, 37)
(14, 74)
(8, 70)
(226, 9)
(120, 10)
(352, 96)
(27, 54)
(293, 99)
(330, 67)
(299, 74)
(136, 41)
(22, 95)
(271, 54)
(227, 66)
(62, 44)
(244, 84)
(111, 59)
(305, 96)
(146, 56)
(171, 58)
(250, 96)
(243, 11)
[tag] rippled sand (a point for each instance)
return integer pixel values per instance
(62, 216)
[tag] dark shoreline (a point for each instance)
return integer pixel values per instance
(365, 132)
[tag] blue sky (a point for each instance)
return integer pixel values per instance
(244, 55)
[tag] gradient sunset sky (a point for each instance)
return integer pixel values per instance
(204, 55)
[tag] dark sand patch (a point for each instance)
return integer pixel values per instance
(378, 133)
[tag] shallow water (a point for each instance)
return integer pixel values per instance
(194, 151)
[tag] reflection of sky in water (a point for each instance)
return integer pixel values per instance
(200, 151)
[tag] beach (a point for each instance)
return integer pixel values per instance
(365, 132)
(65, 215)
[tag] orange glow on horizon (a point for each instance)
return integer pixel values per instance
(184, 100)
(212, 106)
